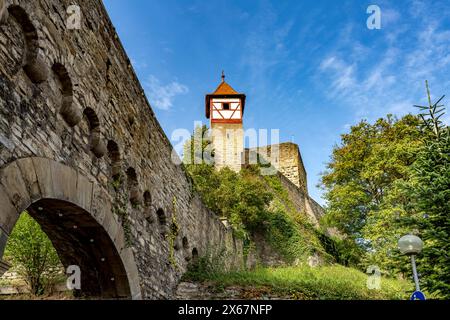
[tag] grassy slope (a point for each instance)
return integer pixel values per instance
(303, 282)
(295, 238)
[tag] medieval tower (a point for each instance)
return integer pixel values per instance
(225, 109)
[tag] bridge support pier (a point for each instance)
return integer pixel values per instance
(3, 239)
(3, 267)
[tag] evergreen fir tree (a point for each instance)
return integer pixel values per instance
(431, 199)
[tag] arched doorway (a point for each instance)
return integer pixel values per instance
(77, 217)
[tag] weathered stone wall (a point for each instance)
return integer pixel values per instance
(286, 158)
(72, 97)
(302, 202)
(291, 165)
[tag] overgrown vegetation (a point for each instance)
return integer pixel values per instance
(392, 178)
(242, 198)
(255, 204)
(33, 256)
(303, 282)
(173, 234)
(289, 231)
(120, 207)
(206, 265)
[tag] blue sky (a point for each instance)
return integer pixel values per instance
(309, 68)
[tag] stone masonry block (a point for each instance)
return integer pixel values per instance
(15, 186)
(84, 192)
(44, 176)
(8, 213)
(29, 176)
(3, 11)
(64, 181)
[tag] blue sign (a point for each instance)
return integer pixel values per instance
(417, 295)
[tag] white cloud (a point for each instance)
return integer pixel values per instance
(388, 17)
(417, 8)
(342, 74)
(162, 96)
(391, 80)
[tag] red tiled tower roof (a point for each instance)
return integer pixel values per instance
(223, 90)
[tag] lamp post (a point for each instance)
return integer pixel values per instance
(411, 245)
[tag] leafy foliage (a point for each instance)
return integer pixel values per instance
(393, 178)
(343, 250)
(362, 186)
(290, 231)
(33, 255)
(240, 197)
(198, 149)
(431, 193)
(364, 167)
(254, 204)
(206, 265)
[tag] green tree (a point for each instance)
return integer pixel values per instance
(363, 182)
(393, 178)
(429, 191)
(363, 168)
(241, 197)
(32, 254)
(198, 149)
(253, 198)
(205, 179)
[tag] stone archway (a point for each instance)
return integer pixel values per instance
(76, 215)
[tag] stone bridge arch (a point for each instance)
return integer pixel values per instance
(88, 142)
(76, 215)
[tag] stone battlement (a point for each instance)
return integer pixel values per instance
(286, 158)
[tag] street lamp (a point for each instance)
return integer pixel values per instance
(411, 245)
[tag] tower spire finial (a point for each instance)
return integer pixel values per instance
(223, 76)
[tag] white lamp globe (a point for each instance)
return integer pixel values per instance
(410, 244)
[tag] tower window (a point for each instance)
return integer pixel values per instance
(226, 106)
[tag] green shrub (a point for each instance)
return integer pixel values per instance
(206, 265)
(33, 256)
